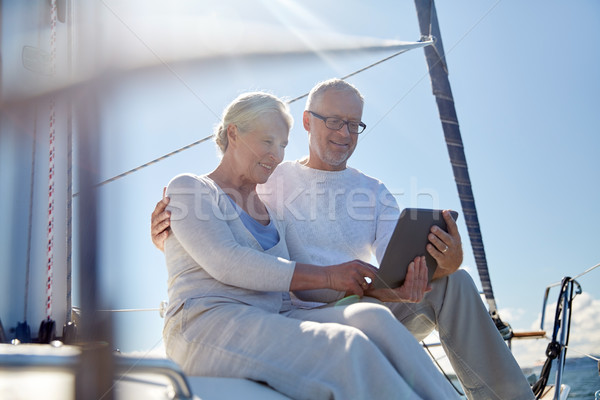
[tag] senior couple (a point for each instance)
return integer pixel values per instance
(238, 240)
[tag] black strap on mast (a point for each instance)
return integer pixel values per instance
(438, 71)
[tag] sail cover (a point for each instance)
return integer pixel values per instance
(438, 72)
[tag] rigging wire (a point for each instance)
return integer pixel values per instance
(424, 40)
(576, 276)
(30, 224)
(69, 222)
(582, 353)
(156, 160)
(131, 171)
(441, 369)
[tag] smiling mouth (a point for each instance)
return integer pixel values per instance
(339, 144)
(269, 167)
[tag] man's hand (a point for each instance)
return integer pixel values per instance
(160, 223)
(445, 247)
(412, 290)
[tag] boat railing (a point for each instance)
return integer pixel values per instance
(56, 357)
(557, 348)
(125, 365)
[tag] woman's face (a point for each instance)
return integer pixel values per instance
(258, 151)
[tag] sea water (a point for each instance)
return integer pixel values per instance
(581, 374)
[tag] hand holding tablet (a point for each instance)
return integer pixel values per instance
(409, 241)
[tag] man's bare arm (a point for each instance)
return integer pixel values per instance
(160, 225)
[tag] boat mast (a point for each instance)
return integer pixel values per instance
(438, 72)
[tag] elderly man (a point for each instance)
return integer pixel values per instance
(319, 194)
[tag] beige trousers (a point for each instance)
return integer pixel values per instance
(477, 352)
(359, 351)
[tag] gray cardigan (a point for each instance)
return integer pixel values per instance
(210, 253)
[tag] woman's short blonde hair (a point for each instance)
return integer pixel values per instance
(243, 112)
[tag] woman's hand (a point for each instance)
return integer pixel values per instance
(350, 277)
(413, 289)
(347, 277)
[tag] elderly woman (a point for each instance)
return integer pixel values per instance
(232, 264)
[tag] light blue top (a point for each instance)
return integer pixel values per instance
(266, 235)
(212, 255)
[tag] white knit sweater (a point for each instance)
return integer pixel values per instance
(339, 215)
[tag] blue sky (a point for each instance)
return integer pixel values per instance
(524, 82)
(522, 76)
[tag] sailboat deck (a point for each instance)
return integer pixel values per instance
(54, 369)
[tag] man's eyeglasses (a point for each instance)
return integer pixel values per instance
(337, 123)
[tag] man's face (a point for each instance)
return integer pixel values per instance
(330, 149)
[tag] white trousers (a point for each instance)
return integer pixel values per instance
(359, 351)
(477, 352)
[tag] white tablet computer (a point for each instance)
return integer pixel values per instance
(408, 241)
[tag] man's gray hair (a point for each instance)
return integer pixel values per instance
(320, 88)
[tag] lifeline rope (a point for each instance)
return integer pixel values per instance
(50, 263)
(51, 172)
